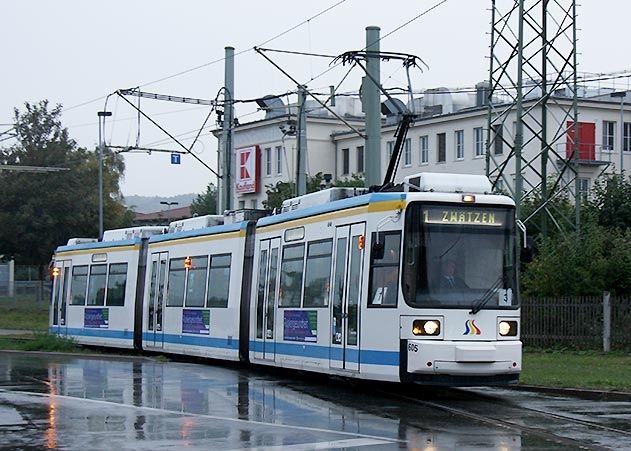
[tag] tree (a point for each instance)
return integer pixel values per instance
(596, 260)
(205, 203)
(39, 211)
(611, 202)
(282, 191)
(356, 181)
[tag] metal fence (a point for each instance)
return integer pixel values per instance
(592, 322)
(25, 291)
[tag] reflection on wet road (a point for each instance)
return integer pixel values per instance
(109, 403)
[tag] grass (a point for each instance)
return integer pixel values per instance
(40, 342)
(577, 369)
(24, 314)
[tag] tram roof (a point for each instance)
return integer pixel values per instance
(337, 205)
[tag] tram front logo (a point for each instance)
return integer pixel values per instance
(471, 329)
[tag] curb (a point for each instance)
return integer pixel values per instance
(80, 354)
(595, 395)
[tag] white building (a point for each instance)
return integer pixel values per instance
(450, 137)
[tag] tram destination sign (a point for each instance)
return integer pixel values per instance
(464, 216)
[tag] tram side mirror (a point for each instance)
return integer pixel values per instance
(378, 250)
(527, 253)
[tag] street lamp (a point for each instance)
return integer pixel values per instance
(621, 95)
(102, 115)
(168, 204)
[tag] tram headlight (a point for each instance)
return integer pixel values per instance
(507, 328)
(428, 327)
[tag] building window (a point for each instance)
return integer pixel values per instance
(498, 139)
(346, 162)
(268, 161)
(279, 160)
(478, 139)
(253, 204)
(442, 147)
(583, 189)
(390, 149)
(627, 137)
(407, 152)
(360, 159)
(424, 149)
(609, 135)
(459, 141)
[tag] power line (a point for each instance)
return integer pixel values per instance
(248, 49)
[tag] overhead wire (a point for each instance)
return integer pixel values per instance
(249, 49)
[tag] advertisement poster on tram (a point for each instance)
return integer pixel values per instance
(96, 318)
(196, 321)
(300, 325)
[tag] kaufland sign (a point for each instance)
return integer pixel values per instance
(248, 170)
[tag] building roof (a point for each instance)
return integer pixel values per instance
(162, 216)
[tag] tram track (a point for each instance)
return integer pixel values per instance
(515, 424)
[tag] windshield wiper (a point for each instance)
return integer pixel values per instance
(488, 294)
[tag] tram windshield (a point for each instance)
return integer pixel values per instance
(460, 256)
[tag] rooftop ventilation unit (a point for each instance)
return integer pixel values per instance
(133, 232)
(447, 183)
(198, 222)
(74, 241)
(237, 216)
(320, 198)
(273, 106)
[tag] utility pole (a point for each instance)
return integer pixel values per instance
(228, 146)
(301, 151)
(101, 115)
(372, 107)
(621, 95)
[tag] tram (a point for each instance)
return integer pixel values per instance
(417, 283)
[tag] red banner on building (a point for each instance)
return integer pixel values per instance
(248, 170)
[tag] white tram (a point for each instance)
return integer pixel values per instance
(418, 285)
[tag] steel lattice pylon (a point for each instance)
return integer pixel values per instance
(532, 100)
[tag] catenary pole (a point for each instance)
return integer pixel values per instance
(372, 107)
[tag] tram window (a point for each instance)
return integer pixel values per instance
(175, 290)
(96, 285)
(318, 273)
(384, 271)
(196, 281)
(219, 281)
(116, 283)
(79, 285)
(291, 275)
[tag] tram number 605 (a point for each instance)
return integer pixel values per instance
(412, 347)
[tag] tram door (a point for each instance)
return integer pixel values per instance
(347, 276)
(157, 300)
(266, 299)
(60, 294)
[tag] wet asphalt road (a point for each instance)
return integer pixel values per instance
(81, 402)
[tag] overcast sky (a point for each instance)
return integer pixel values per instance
(72, 52)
